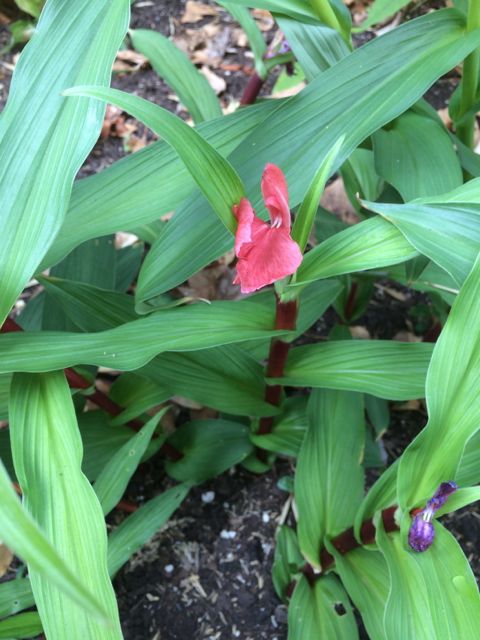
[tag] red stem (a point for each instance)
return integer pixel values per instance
(285, 318)
(251, 91)
(77, 381)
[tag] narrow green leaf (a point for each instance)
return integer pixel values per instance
(432, 594)
(47, 453)
(391, 370)
(316, 47)
(137, 395)
(364, 575)
(369, 245)
(305, 217)
(111, 483)
(459, 499)
(175, 68)
(15, 595)
(304, 127)
(210, 447)
(214, 175)
(287, 562)
(297, 9)
(145, 185)
(44, 138)
(444, 228)
(379, 11)
(312, 612)
(452, 400)
(139, 527)
(288, 429)
(416, 155)
(19, 531)
(329, 479)
(253, 33)
(25, 625)
(135, 343)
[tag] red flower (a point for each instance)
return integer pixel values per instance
(266, 252)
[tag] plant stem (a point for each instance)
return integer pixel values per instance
(465, 129)
(285, 318)
(251, 91)
(77, 381)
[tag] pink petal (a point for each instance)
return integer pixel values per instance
(271, 256)
(275, 195)
(245, 215)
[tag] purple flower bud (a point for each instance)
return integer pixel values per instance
(441, 494)
(284, 47)
(421, 534)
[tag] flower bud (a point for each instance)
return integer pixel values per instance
(421, 534)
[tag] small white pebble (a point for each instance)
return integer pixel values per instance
(265, 517)
(228, 535)
(208, 497)
(169, 568)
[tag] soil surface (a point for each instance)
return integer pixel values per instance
(206, 575)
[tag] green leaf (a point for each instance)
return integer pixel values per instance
(225, 378)
(25, 625)
(111, 483)
(452, 400)
(379, 11)
(101, 440)
(312, 611)
(416, 155)
(5, 381)
(297, 134)
(15, 595)
(369, 245)
(214, 175)
(287, 562)
(210, 447)
(444, 228)
(432, 594)
(145, 185)
(468, 471)
(137, 395)
(33, 7)
(391, 370)
(44, 138)
(175, 68)
(329, 478)
(305, 217)
(364, 575)
(138, 528)
(297, 9)
(459, 499)
(253, 33)
(21, 534)
(360, 178)
(288, 429)
(47, 453)
(135, 343)
(316, 47)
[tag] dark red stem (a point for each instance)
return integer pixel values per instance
(285, 318)
(77, 381)
(351, 300)
(251, 91)
(344, 543)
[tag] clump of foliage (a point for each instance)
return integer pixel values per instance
(416, 188)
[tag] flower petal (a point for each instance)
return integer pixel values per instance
(275, 195)
(421, 534)
(271, 256)
(245, 215)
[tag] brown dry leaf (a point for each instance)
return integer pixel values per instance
(264, 19)
(129, 61)
(6, 557)
(217, 83)
(393, 293)
(213, 283)
(205, 45)
(196, 11)
(239, 38)
(116, 125)
(135, 143)
(4, 19)
(186, 402)
(445, 117)
(359, 332)
(335, 199)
